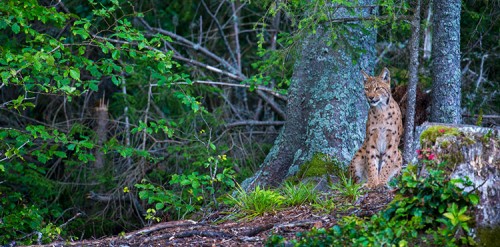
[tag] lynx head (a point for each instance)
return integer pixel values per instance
(377, 88)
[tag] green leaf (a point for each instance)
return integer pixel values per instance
(115, 54)
(129, 69)
(15, 28)
(60, 154)
(71, 146)
(93, 86)
(474, 199)
(449, 215)
(115, 80)
(463, 218)
(212, 146)
(75, 74)
(159, 206)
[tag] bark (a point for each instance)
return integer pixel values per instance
(326, 109)
(412, 86)
(428, 33)
(446, 83)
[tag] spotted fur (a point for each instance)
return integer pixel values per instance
(378, 159)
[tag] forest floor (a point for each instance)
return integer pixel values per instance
(217, 230)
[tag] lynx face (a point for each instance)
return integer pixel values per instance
(377, 88)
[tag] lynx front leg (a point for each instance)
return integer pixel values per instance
(392, 167)
(373, 159)
(372, 168)
(393, 161)
(357, 166)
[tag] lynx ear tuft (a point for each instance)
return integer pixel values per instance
(365, 76)
(385, 74)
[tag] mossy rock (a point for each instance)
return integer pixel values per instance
(430, 135)
(321, 170)
(319, 166)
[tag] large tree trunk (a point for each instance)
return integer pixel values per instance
(326, 109)
(446, 83)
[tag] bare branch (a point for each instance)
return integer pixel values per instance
(221, 31)
(236, 34)
(192, 45)
(253, 123)
(261, 88)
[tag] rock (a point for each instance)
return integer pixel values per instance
(473, 152)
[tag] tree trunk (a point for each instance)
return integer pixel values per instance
(446, 83)
(412, 86)
(326, 109)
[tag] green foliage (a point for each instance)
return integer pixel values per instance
(162, 199)
(196, 189)
(47, 54)
(304, 18)
(426, 211)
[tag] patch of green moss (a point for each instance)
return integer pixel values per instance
(485, 139)
(445, 144)
(430, 134)
(488, 236)
(452, 159)
(469, 140)
(319, 165)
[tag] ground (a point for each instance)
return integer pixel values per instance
(218, 230)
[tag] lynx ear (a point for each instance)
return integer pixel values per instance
(385, 74)
(365, 76)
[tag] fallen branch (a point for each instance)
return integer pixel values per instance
(161, 226)
(187, 234)
(253, 123)
(255, 231)
(300, 223)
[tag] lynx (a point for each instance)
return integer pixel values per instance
(378, 159)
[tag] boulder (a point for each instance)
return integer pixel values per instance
(470, 151)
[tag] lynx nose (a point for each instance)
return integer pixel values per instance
(370, 98)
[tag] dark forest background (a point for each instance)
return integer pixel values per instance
(119, 114)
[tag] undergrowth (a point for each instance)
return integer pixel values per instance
(255, 203)
(348, 188)
(260, 201)
(298, 194)
(432, 210)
